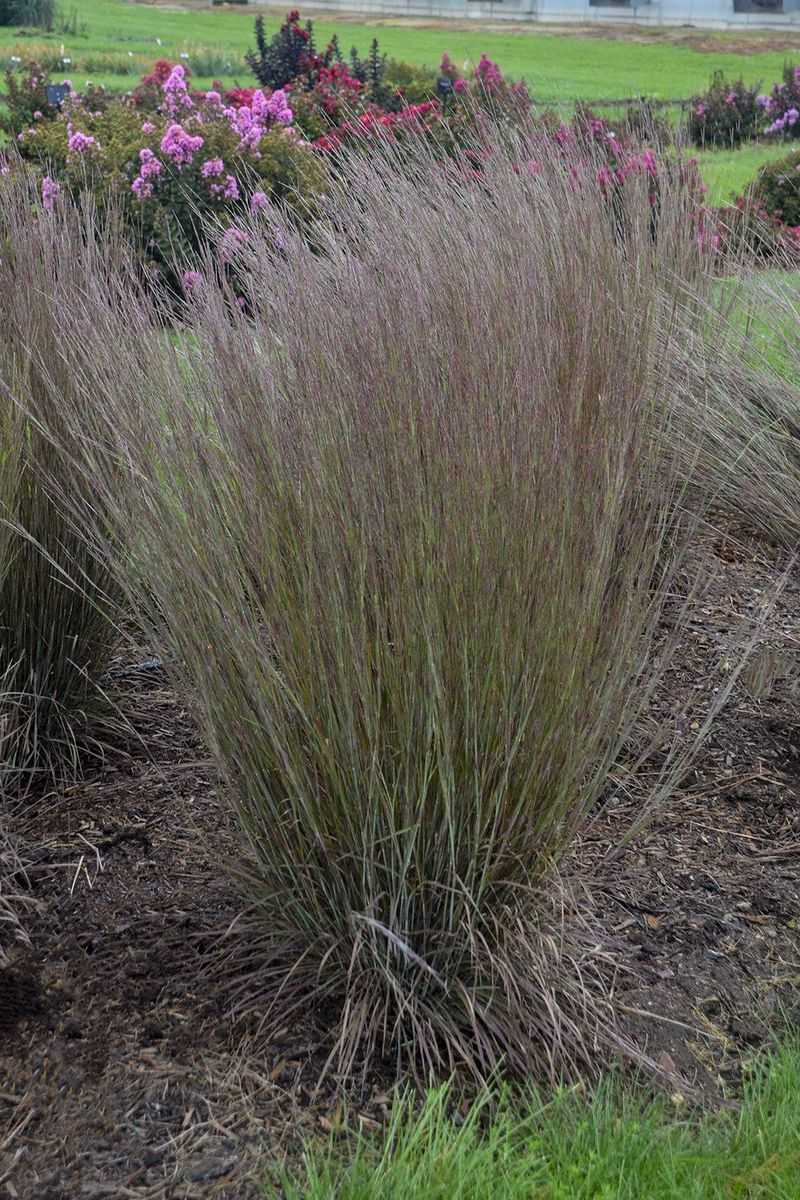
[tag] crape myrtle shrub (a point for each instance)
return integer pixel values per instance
(169, 159)
(726, 114)
(782, 106)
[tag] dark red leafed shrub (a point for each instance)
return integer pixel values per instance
(288, 54)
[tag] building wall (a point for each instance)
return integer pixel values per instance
(715, 14)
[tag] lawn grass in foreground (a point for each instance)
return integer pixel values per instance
(765, 309)
(612, 1147)
(557, 67)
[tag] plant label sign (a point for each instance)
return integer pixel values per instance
(57, 93)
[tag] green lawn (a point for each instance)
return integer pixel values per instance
(118, 40)
(608, 1149)
(765, 308)
(726, 173)
(124, 35)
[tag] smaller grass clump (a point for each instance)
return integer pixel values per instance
(56, 627)
(736, 400)
(613, 1147)
(15, 898)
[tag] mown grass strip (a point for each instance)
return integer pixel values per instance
(613, 1147)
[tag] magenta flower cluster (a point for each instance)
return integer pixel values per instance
(176, 92)
(179, 145)
(488, 73)
(50, 193)
(149, 168)
(783, 104)
(251, 121)
(79, 143)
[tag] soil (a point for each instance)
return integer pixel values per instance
(121, 1074)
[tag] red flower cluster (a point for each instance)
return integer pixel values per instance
(335, 89)
(417, 118)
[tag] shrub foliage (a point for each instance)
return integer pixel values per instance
(777, 189)
(725, 115)
(166, 159)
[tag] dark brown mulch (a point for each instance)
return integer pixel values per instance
(120, 1075)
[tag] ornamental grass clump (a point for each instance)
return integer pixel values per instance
(16, 900)
(735, 400)
(394, 511)
(56, 628)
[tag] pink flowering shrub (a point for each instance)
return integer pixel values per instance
(725, 115)
(25, 97)
(192, 157)
(781, 108)
(27, 102)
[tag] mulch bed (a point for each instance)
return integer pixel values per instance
(120, 1074)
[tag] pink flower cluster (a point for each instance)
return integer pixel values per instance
(149, 168)
(176, 92)
(179, 145)
(191, 281)
(79, 143)
(232, 239)
(251, 121)
(229, 190)
(628, 164)
(488, 73)
(50, 193)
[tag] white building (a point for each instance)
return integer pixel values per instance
(712, 14)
